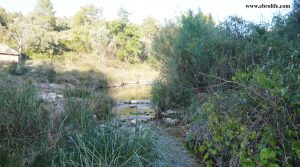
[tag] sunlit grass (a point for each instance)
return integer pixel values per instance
(115, 71)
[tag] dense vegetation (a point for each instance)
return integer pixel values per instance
(42, 33)
(72, 130)
(238, 83)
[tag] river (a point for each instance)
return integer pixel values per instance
(133, 107)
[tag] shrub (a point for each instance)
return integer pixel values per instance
(234, 133)
(50, 74)
(17, 69)
(247, 77)
(166, 96)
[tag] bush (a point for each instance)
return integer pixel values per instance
(234, 133)
(166, 96)
(17, 69)
(50, 74)
(129, 48)
(245, 77)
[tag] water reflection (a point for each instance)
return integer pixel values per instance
(130, 92)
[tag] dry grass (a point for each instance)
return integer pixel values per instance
(115, 71)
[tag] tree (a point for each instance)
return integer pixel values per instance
(149, 29)
(44, 14)
(128, 40)
(21, 31)
(100, 39)
(123, 14)
(294, 20)
(3, 17)
(62, 23)
(87, 15)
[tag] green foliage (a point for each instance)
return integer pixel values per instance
(245, 76)
(127, 40)
(101, 104)
(149, 29)
(98, 103)
(123, 14)
(86, 143)
(115, 147)
(166, 96)
(40, 32)
(44, 13)
(86, 15)
(50, 74)
(78, 115)
(184, 51)
(80, 39)
(5, 17)
(17, 69)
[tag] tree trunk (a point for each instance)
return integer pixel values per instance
(20, 54)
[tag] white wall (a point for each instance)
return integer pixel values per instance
(9, 58)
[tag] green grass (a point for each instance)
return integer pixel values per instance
(81, 92)
(86, 143)
(32, 136)
(111, 146)
(28, 138)
(23, 124)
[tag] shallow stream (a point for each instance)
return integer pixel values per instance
(133, 107)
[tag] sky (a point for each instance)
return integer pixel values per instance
(159, 9)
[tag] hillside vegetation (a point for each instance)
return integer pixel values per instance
(237, 85)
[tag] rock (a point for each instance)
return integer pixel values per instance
(133, 106)
(50, 96)
(171, 122)
(169, 113)
(133, 122)
(134, 102)
(126, 102)
(56, 86)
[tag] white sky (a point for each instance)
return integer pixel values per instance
(160, 9)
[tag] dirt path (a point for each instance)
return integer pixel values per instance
(183, 157)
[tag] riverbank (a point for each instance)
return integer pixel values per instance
(71, 109)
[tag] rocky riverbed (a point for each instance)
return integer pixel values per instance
(129, 114)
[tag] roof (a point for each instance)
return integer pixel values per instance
(4, 49)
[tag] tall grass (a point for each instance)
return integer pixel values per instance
(31, 136)
(87, 143)
(23, 124)
(110, 146)
(80, 92)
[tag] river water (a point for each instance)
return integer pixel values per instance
(133, 106)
